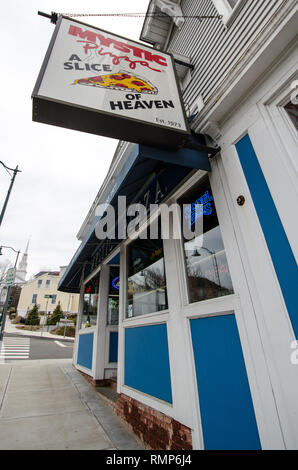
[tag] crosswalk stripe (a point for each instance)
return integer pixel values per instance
(2, 350)
(14, 357)
(4, 356)
(14, 348)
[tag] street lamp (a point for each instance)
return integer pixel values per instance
(213, 254)
(3, 316)
(15, 171)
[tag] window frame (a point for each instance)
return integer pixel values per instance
(145, 226)
(189, 306)
(285, 134)
(147, 318)
(81, 329)
(228, 12)
(34, 295)
(287, 116)
(108, 296)
(187, 297)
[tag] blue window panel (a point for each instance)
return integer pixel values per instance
(85, 350)
(227, 413)
(113, 352)
(147, 366)
(280, 250)
(115, 260)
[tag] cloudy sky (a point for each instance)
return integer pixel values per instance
(61, 170)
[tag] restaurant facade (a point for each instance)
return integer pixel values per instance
(200, 334)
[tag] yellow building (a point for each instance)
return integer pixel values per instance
(42, 285)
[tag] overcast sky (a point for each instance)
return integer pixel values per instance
(62, 170)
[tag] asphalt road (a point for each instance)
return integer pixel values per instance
(16, 347)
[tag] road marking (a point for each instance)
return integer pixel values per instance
(14, 348)
(60, 344)
(12, 357)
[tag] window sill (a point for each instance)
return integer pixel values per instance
(83, 331)
(139, 318)
(234, 13)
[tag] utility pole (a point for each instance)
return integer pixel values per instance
(3, 316)
(15, 171)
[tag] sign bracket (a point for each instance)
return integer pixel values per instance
(53, 17)
(203, 143)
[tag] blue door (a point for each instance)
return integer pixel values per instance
(227, 413)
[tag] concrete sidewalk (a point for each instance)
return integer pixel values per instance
(10, 328)
(48, 405)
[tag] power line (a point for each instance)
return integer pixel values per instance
(54, 16)
(142, 15)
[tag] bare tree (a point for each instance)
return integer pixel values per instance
(4, 266)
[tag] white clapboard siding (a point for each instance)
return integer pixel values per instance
(159, 29)
(214, 49)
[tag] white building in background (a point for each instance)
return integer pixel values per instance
(20, 277)
(206, 364)
(21, 272)
(37, 292)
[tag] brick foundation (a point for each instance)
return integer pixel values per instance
(156, 430)
(96, 382)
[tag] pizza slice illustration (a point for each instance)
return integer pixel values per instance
(119, 81)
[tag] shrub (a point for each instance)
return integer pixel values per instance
(18, 319)
(73, 318)
(69, 331)
(32, 317)
(56, 315)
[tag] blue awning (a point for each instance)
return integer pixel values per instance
(143, 165)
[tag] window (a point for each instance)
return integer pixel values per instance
(34, 299)
(39, 283)
(206, 263)
(113, 297)
(146, 286)
(292, 111)
(54, 298)
(48, 282)
(227, 8)
(89, 314)
(232, 3)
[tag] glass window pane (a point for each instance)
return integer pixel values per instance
(113, 297)
(89, 315)
(206, 263)
(292, 111)
(232, 3)
(147, 291)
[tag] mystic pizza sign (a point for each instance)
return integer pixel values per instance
(94, 81)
